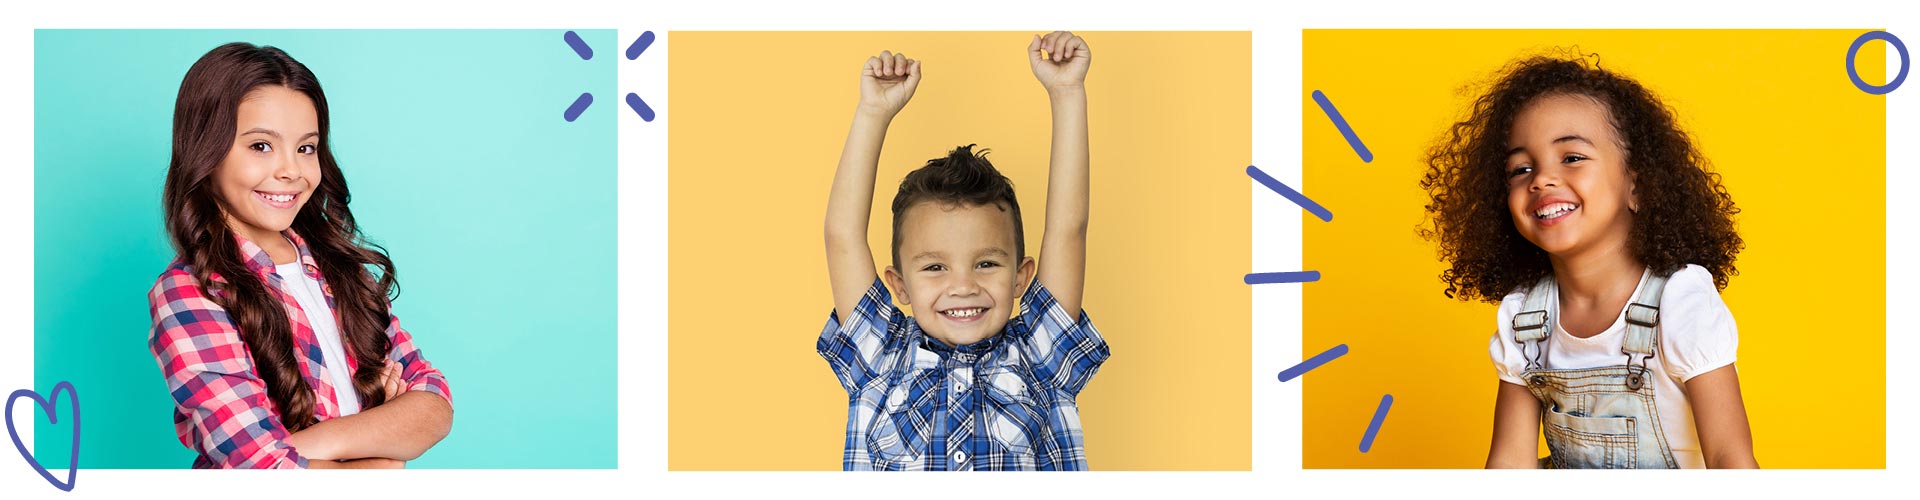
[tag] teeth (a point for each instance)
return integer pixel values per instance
(277, 198)
(963, 313)
(1553, 210)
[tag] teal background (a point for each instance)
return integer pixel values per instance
(498, 213)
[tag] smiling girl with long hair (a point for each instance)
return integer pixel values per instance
(273, 326)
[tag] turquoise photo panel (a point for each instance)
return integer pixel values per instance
(498, 212)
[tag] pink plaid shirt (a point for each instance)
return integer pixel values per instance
(221, 409)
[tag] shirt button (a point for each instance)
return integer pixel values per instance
(959, 456)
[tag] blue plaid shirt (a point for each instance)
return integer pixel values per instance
(1005, 403)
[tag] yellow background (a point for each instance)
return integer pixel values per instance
(1799, 147)
(758, 122)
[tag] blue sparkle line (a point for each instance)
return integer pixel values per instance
(1345, 129)
(1313, 362)
(1290, 194)
(1379, 417)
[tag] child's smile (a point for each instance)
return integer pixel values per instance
(964, 314)
(1550, 211)
(1568, 187)
(283, 200)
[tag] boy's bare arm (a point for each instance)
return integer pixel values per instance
(887, 82)
(1060, 62)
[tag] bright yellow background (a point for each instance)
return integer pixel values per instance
(758, 122)
(1801, 150)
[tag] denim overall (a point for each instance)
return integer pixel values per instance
(1602, 417)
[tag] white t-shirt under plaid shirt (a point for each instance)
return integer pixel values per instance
(1005, 403)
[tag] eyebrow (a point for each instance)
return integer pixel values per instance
(1564, 138)
(991, 252)
(276, 135)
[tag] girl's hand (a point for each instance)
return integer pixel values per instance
(390, 377)
(887, 82)
(380, 463)
(1059, 60)
(361, 463)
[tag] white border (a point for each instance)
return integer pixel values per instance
(643, 204)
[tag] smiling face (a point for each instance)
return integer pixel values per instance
(959, 270)
(274, 164)
(1568, 187)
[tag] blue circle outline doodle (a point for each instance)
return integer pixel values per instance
(1854, 50)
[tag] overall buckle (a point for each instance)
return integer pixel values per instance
(1643, 315)
(1637, 375)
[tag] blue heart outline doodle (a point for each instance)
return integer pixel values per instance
(46, 406)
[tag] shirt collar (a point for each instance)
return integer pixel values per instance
(966, 353)
(258, 261)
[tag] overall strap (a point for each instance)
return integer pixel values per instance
(1534, 321)
(1643, 333)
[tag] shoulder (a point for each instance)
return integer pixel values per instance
(1037, 293)
(1503, 318)
(1508, 361)
(1509, 306)
(191, 332)
(875, 313)
(179, 281)
(1697, 330)
(876, 305)
(1040, 309)
(1691, 278)
(180, 301)
(176, 280)
(1690, 295)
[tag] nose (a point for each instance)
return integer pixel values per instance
(286, 166)
(1544, 177)
(965, 284)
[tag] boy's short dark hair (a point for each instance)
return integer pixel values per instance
(961, 177)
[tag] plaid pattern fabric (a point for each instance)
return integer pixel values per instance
(1005, 403)
(221, 409)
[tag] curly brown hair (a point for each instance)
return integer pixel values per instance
(1685, 215)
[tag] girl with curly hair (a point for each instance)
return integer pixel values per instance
(1571, 196)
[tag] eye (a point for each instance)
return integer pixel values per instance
(307, 149)
(934, 268)
(1572, 158)
(1520, 170)
(261, 147)
(986, 264)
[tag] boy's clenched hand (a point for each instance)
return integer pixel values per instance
(887, 83)
(1059, 60)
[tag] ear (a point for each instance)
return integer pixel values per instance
(1027, 267)
(1633, 191)
(899, 285)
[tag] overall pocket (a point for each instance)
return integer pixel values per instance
(1583, 442)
